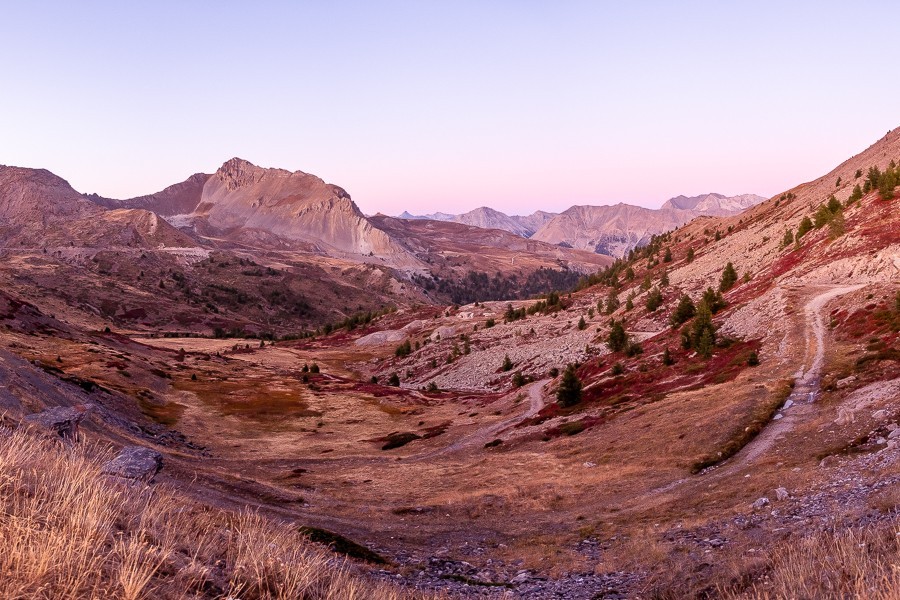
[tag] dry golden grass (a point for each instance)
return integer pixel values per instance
(68, 532)
(861, 564)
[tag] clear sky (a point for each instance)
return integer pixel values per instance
(447, 106)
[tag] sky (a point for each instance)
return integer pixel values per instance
(446, 106)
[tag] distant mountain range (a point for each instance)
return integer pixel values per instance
(611, 230)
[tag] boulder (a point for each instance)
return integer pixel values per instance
(894, 434)
(135, 463)
(781, 494)
(62, 421)
(760, 503)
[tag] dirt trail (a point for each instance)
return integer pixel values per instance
(482, 436)
(806, 389)
(806, 379)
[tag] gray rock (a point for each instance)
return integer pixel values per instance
(894, 434)
(879, 415)
(760, 503)
(781, 494)
(136, 463)
(62, 420)
(842, 383)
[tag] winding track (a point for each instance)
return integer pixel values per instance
(806, 389)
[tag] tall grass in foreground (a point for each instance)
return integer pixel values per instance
(829, 564)
(66, 531)
(862, 564)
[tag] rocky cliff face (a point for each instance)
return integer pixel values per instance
(246, 204)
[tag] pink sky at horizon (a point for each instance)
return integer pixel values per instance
(428, 107)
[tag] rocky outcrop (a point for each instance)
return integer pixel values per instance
(60, 421)
(134, 463)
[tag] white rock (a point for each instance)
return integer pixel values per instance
(760, 503)
(879, 415)
(892, 426)
(781, 494)
(894, 434)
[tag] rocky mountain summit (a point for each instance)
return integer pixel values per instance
(610, 230)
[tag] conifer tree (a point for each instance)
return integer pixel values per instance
(569, 391)
(617, 336)
(729, 278)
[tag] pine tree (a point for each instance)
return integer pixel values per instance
(729, 278)
(703, 332)
(856, 195)
(690, 255)
(654, 299)
(788, 238)
(617, 336)
(612, 302)
(667, 257)
(684, 311)
(805, 227)
(507, 363)
(834, 204)
(569, 391)
(582, 324)
(667, 357)
(664, 279)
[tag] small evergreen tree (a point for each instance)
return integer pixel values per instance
(664, 279)
(667, 257)
(667, 357)
(582, 324)
(690, 255)
(617, 337)
(629, 302)
(703, 332)
(834, 204)
(713, 300)
(569, 391)
(507, 363)
(612, 302)
(654, 299)
(788, 238)
(805, 227)
(729, 278)
(856, 195)
(753, 359)
(684, 311)
(394, 380)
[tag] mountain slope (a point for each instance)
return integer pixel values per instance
(610, 230)
(38, 208)
(245, 204)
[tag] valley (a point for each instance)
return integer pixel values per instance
(736, 386)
